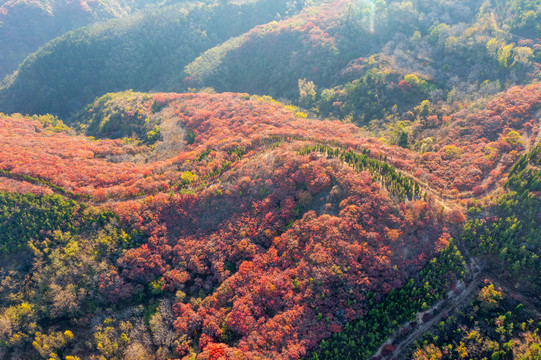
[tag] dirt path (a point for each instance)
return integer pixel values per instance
(465, 296)
(494, 22)
(537, 117)
(450, 202)
(510, 289)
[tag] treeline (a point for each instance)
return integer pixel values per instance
(121, 115)
(513, 236)
(397, 184)
(361, 338)
(526, 21)
(376, 94)
(523, 178)
(24, 217)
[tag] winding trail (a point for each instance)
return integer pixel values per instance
(449, 305)
(537, 117)
(465, 296)
(510, 289)
(494, 22)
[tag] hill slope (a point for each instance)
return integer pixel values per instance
(145, 51)
(161, 225)
(231, 215)
(351, 59)
(339, 58)
(28, 25)
(242, 228)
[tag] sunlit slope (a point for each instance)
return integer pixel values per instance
(356, 53)
(235, 224)
(145, 51)
(339, 58)
(277, 239)
(28, 25)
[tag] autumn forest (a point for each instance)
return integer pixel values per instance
(270, 179)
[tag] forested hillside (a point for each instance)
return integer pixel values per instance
(359, 59)
(145, 51)
(28, 25)
(239, 230)
(497, 323)
(271, 179)
(341, 58)
(232, 220)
